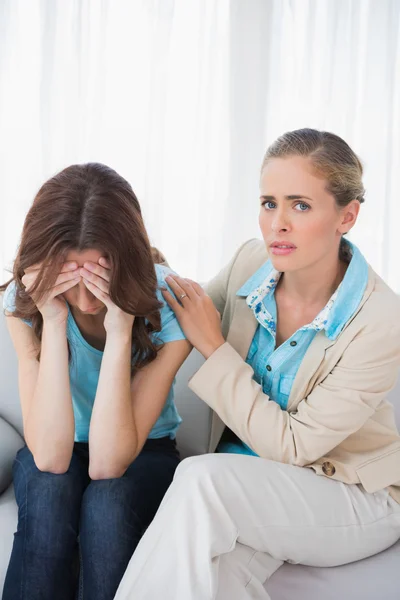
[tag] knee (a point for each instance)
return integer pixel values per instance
(43, 495)
(104, 497)
(110, 509)
(52, 496)
(48, 513)
(198, 470)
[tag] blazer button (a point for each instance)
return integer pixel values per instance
(328, 469)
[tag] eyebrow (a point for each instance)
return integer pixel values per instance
(291, 197)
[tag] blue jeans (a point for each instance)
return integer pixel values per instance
(76, 536)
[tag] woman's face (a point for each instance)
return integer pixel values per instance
(79, 296)
(300, 221)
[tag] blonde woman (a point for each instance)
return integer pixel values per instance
(307, 469)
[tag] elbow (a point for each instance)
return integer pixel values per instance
(56, 467)
(103, 471)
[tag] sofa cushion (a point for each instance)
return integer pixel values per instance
(368, 579)
(10, 408)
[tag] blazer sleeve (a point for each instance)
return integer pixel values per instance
(335, 409)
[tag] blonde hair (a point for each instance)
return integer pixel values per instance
(330, 156)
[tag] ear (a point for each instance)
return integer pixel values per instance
(349, 216)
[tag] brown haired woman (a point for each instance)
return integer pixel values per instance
(308, 468)
(98, 350)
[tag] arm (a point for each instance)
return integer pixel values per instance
(336, 408)
(45, 394)
(44, 386)
(125, 412)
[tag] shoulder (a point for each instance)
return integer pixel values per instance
(382, 304)
(170, 328)
(253, 250)
(249, 258)
(162, 271)
(9, 300)
(381, 308)
(9, 297)
(375, 329)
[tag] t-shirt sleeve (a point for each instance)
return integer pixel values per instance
(170, 328)
(9, 300)
(9, 297)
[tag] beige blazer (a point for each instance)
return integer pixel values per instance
(338, 421)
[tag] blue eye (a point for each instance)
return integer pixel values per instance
(302, 207)
(269, 205)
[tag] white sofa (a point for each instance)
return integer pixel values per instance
(370, 579)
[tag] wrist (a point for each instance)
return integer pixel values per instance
(211, 347)
(54, 324)
(115, 336)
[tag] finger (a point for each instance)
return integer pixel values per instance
(172, 302)
(96, 291)
(69, 266)
(67, 276)
(95, 279)
(33, 268)
(186, 285)
(197, 287)
(97, 270)
(104, 262)
(29, 279)
(177, 288)
(63, 287)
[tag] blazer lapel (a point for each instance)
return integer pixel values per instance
(243, 327)
(315, 354)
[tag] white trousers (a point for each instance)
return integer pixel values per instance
(229, 521)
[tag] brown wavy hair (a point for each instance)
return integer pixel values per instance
(83, 207)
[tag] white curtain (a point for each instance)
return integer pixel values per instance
(182, 97)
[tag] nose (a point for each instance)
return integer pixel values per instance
(280, 222)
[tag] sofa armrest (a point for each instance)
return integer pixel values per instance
(10, 443)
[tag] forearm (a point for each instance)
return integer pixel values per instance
(329, 414)
(49, 427)
(112, 435)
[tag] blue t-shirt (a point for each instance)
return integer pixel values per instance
(84, 368)
(275, 369)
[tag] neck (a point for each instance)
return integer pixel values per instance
(316, 283)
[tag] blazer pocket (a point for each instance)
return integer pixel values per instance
(380, 472)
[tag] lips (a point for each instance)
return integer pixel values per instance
(282, 248)
(282, 245)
